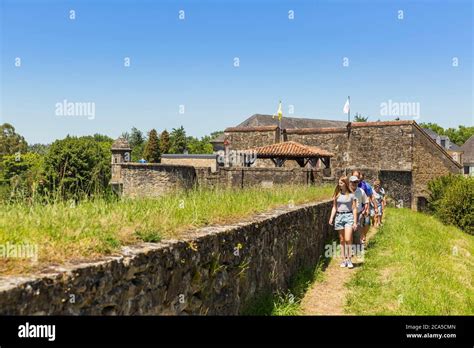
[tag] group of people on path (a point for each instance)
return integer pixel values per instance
(356, 205)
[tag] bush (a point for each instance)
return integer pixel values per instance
(452, 201)
(20, 176)
(78, 167)
(457, 205)
(438, 188)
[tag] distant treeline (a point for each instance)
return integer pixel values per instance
(78, 167)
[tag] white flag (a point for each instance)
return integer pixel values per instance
(347, 107)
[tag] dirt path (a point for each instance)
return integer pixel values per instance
(327, 297)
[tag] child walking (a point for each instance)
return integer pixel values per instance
(344, 209)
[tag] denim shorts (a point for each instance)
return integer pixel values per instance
(372, 211)
(343, 220)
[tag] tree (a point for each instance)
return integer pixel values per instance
(10, 141)
(136, 137)
(178, 140)
(165, 142)
(40, 149)
(77, 167)
(21, 175)
(359, 118)
(137, 142)
(434, 127)
(152, 149)
(457, 136)
(196, 146)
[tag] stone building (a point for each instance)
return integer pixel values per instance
(121, 154)
(454, 150)
(400, 153)
(468, 163)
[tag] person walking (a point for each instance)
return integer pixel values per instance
(379, 198)
(370, 194)
(344, 218)
(362, 206)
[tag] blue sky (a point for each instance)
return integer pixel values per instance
(191, 62)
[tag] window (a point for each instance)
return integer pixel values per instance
(443, 143)
(466, 169)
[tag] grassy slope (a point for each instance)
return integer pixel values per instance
(90, 229)
(415, 265)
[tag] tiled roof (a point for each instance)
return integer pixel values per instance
(251, 129)
(468, 148)
(290, 149)
(259, 120)
(121, 144)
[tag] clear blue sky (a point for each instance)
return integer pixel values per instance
(190, 62)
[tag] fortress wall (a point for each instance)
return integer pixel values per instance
(215, 271)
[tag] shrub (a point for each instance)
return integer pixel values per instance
(452, 201)
(20, 176)
(78, 167)
(457, 205)
(438, 188)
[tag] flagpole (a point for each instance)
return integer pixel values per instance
(349, 113)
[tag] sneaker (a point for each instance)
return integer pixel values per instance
(349, 264)
(343, 264)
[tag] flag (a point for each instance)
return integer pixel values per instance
(279, 112)
(347, 106)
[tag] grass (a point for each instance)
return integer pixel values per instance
(66, 231)
(415, 265)
(288, 303)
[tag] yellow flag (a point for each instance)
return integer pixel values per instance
(280, 112)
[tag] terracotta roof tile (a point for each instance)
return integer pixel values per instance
(290, 149)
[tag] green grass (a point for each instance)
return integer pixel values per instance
(288, 303)
(415, 265)
(65, 231)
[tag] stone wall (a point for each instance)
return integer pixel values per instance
(195, 162)
(255, 176)
(396, 183)
(385, 147)
(394, 147)
(428, 163)
(243, 140)
(218, 270)
(149, 179)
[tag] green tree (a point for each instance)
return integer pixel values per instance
(77, 167)
(21, 175)
(434, 127)
(457, 136)
(152, 149)
(10, 141)
(165, 142)
(178, 140)
(196, 146)
(40, 149)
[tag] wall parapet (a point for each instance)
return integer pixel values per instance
(215, 270)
